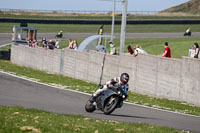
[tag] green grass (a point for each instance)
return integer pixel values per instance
(83, 86)
(179, 46)
(5, 48)
(147, 28)
(20, 120)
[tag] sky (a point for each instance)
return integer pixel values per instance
(89, 5)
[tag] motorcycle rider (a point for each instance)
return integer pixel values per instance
(188, 32)
(59, 34)
(122, 80)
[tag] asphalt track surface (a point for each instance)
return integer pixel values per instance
(6, 37)
(15, 91)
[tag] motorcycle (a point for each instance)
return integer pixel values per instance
(187, 34)
(59, 36)
(108, 100)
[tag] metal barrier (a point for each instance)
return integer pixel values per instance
(105, 22)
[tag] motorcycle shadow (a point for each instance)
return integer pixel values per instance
(128, 116)
(133, 116)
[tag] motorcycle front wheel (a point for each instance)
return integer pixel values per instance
(89, 107)
(110, 105)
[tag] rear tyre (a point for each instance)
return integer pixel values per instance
(89, 107)
(110, 105)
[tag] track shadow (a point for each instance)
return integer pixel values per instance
(127, 116)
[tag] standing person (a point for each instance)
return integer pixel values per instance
(196, 46)
(167, 51)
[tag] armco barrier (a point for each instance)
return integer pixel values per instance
(152, 75)
(105, 22)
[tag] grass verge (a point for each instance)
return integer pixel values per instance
(20, 120)
(79, 85)
(179, 46)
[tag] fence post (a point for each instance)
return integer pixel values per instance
(62, 54)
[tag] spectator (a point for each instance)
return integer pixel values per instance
(13, 35)
(196, 46)
(70, 46)
(138, 49)
(75, 45)
(35, 43)
(167, 52)
(44, 43)
(51, 44)
(112, 49)
(130, 50)
(29, 42)
(44, 39)
(57, 44)
(101, 48)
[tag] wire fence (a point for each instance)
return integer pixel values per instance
(5, 10)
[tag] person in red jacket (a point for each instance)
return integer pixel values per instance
(167, 52)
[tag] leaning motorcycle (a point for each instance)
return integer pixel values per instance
(108, 100)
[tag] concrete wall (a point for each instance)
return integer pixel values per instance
(38, 58)
(155, 76)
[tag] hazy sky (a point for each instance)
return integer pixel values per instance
(87, 5)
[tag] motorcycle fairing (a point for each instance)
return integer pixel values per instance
(103, 97)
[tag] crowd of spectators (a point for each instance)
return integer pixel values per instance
(51, 44)
(33, 43)
(73, 44)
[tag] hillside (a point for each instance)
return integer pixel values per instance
(190, 7)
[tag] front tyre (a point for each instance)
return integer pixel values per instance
(110, 105)
(89, 107)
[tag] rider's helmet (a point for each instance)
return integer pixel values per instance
(124, 78)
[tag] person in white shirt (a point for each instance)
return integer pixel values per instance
(112, 49)
(57, 44)
(138, 49)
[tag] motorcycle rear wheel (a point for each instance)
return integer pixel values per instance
(110, 107)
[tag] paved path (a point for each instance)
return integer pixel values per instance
(6, 37)
(19, 92)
